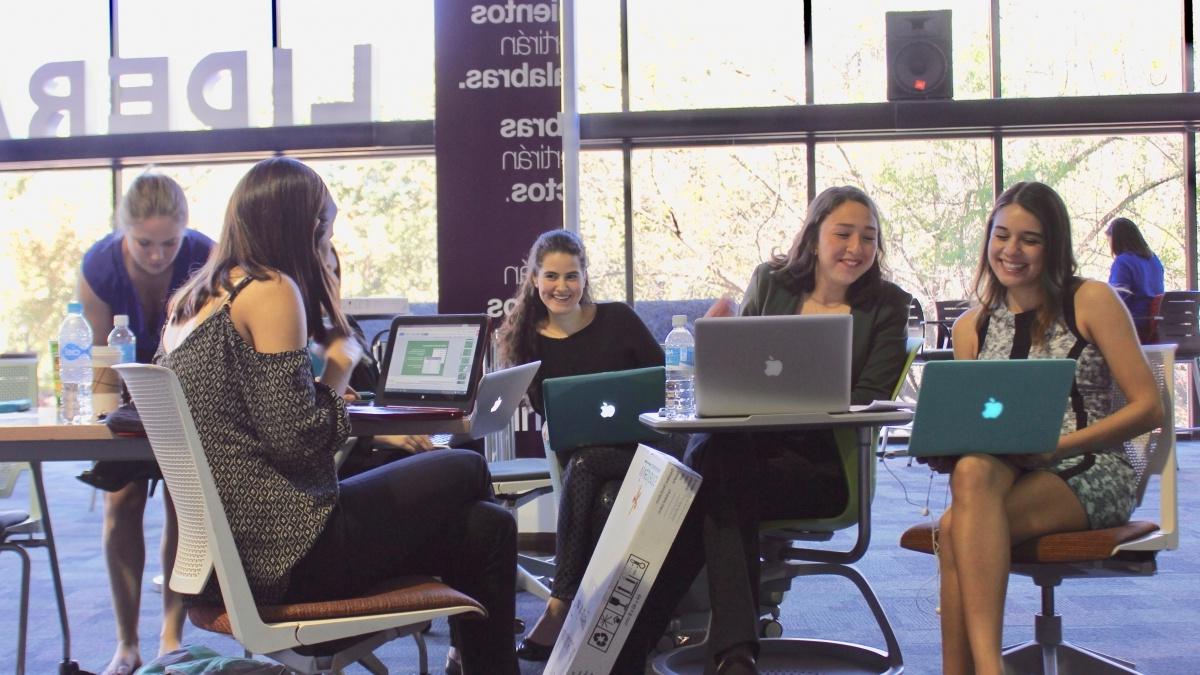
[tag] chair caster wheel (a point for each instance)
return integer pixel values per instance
(770, 628)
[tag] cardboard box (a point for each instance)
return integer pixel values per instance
(654, 498)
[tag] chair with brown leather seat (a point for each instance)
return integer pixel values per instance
(1128, 550)
(312, 637)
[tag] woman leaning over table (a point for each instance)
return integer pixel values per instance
(1033, 306)
(236, 337)
(834, 266)
(133, 271)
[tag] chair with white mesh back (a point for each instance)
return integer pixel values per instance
(314, 637)
(1127, 550)
(19, 530)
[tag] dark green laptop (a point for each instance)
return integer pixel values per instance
(602, 408)
(992, 407)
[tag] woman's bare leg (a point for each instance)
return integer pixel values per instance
(125, 554)
(172, 602)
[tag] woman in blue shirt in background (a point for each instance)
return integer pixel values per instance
(133, 271)
(1136, 272)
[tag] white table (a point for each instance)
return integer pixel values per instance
(36, 436)
(777, 654)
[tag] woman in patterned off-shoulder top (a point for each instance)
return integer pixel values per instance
(236, 338)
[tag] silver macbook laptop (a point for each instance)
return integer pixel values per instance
(767, 365)
(500, 392)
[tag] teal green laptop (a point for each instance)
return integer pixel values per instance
(602, 408)
(991, 407)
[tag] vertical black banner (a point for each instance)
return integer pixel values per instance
(499, 145)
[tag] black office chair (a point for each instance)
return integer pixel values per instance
(1178, 323)
(947, 311)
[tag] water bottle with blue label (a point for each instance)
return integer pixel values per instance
(680, 351)
(75, 366)
(123, 339)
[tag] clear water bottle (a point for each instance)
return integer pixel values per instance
(123, 339)
(680, 351)
(75, 366)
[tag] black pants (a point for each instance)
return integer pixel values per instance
(747, 478)
(427, 514)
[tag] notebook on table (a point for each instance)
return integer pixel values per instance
(770, 365)
(602, 408)
(992, 407)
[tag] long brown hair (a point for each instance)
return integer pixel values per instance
(277, 216)
(1127, 238)
(1058, 267)
(518, 333)
(797, 269)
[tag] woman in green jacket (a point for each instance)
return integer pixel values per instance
(834, 266)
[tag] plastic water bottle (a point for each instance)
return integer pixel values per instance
(680, 350)
(75, 366)
(123, 339)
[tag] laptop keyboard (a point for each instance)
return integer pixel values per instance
(441, 439)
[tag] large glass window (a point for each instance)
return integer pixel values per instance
(1102, 177)
(386, 229)
(48, 219)
(207, 186)
(933, 197)
(850, 50)
(705, 217)
(186, 32)
(598, 56)
(1074, 49)
(715, 54)
(602, 222)
(322, 37)
(34, 34)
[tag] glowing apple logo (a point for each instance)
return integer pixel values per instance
(496, 405)
(773, 367)
(992, 409)
(607, 409)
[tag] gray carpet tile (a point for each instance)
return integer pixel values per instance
(1154, 621)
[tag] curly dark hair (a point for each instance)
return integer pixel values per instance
(518, 333)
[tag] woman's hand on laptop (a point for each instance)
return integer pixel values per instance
(939, 464)
(1033, 461)
(409, 444)
(724, 306)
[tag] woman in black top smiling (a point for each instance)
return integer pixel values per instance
(556, 321)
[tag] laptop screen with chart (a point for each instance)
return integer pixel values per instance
(433, 360)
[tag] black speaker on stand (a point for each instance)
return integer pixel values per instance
(918, 55)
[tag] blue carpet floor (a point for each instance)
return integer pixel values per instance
(1154, 621)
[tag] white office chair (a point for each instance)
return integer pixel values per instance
(26, 523)
(281, 632)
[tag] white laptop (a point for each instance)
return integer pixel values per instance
(773, 365)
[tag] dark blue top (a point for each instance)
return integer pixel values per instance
(104, 270)
(1137, 281)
